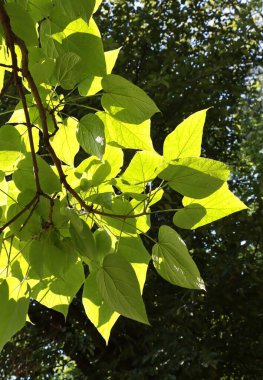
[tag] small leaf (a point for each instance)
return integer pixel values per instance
(103, 243)
(125, 101)
(65, 141)
(195, 177)
(84, 240)
(186, 139)
(173, 262)
(120, 289)
(90, 135)
(197, 213)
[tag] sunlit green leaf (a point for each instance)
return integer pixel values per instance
(99, 313)
(65, 141)
(126, 135)
(186, 139)
(13, 308)
(197, 213)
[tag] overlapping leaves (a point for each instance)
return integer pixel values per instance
(60, 216)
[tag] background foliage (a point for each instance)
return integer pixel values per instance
(187, 55)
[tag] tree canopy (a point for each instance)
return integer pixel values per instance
(101, 222)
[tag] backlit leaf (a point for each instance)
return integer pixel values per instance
(197, 213)
(173, 262)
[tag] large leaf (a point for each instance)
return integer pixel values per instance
(22, 24)
(198, 213)
(173, 262)
(25, 180)
(125, 135)
(99, 313)
(120, 289)
(13, 308)
(90, 135)
(195, 177)
(65, 141)
(125, 101)
(186, 139)
(58, 293)
(73, 38)
(133, 250)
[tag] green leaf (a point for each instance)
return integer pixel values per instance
(39, 9)
(90, 86)
(49, 256)
(2, 77)
(58, 293)
(10, 148)
(84, 40)
(111, 58)
(120, 289)
(25, 143)
(125, 101)
(69, 10)
(13, 264)
(22, 24)
(99, 313)
(216, 206)
(195, 177)
(13, 308)
(186, 139)
(133, 250)
(103, 243)
(25, 180)
(143, 168)
(90, 135)
(116, 225)
(173, 262)
(65, 142)
(83, 240)
(125, 135)
(65, 73)
(3, 189)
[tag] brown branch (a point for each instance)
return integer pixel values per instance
(30, 214)
(8, 66)
(10, 42)
(27, 207)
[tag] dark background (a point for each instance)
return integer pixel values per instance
(187, 55)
